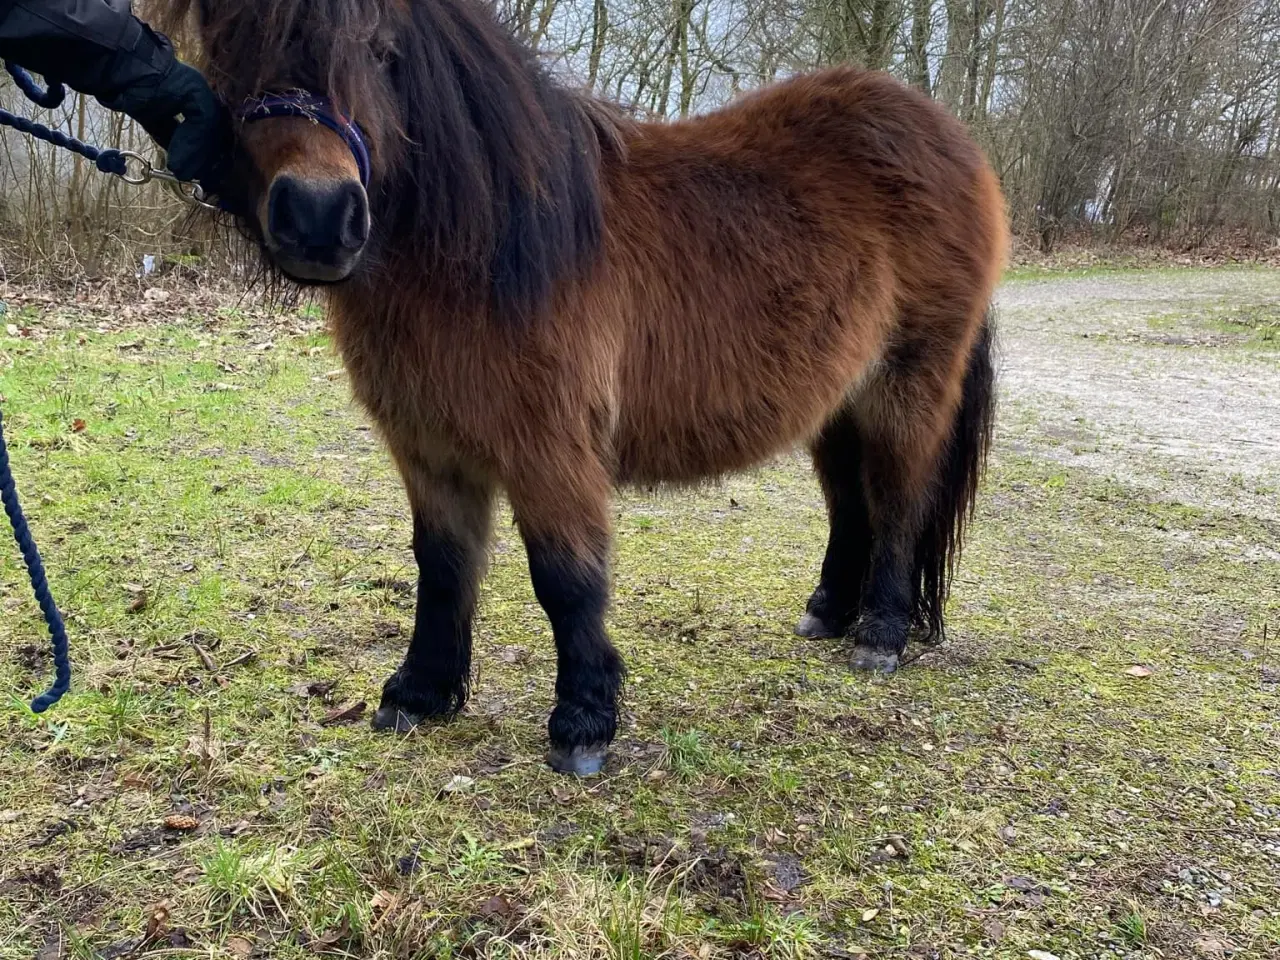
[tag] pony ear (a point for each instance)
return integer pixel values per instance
(386, 42)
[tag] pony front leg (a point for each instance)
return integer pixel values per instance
(566, 534)
(451, 520)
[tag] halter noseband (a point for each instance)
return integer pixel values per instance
(319, 110)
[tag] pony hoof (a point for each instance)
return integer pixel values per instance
(874, 661)
(815, 628)
(395, 719)
(578, 761)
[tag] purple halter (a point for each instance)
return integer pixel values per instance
(318, 110)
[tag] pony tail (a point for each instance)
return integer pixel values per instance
(955, 490)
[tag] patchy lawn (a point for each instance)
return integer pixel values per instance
(232, 550)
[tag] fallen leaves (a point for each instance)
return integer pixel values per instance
(383, 906)
(137, 597)
(333, 937)
(312, 688)
(157, 922)
(458, 784)
(344, 714)
(203, 750)
(1021, 884)
(1211, 946)
(156, 932)
(496, 906)
(410, 863)
(90, 793)
(1029, 892)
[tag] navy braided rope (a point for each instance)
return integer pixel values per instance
(107, 160)
(39, 583)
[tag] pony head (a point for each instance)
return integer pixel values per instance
(409, 133)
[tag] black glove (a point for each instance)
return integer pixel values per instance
(198, 143)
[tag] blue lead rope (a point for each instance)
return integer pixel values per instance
(107, 160)
(39, 583)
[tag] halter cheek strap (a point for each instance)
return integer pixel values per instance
(318, 110)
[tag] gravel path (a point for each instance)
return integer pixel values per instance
(1132, 375)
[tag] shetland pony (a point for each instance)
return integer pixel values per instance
(537, 295)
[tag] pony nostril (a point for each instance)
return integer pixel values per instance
(355, 219)
(282, 220)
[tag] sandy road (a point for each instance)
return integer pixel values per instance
(1136, 376)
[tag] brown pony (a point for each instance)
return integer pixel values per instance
(536, 295)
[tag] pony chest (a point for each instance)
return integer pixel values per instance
(396, 378)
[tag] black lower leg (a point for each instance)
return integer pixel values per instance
(573, 590)
(880, 635)
(434, 678)
(835, 604)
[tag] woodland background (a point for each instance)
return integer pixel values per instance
(1140, 122)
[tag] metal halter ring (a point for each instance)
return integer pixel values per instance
(186, 190)
(146, 173)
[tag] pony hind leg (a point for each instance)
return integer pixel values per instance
(923, 457)
(836, 603)
(880, 633)
(451, 520)
(565, 526)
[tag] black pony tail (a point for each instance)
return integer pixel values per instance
(955, 488)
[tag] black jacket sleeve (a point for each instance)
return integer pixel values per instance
(95, 46)
(101, 49)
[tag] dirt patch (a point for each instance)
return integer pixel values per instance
(1078, 357)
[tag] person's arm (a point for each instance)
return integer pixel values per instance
(95, 46)
(100, 49)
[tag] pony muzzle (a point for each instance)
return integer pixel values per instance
(314, 215)
(315, 230)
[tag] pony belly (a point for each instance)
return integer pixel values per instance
(715, 443)
(728, 419)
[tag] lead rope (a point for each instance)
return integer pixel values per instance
(108, 161)
(39, 584)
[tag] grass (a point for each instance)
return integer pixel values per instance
(1015, 790)
(1256, 324)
